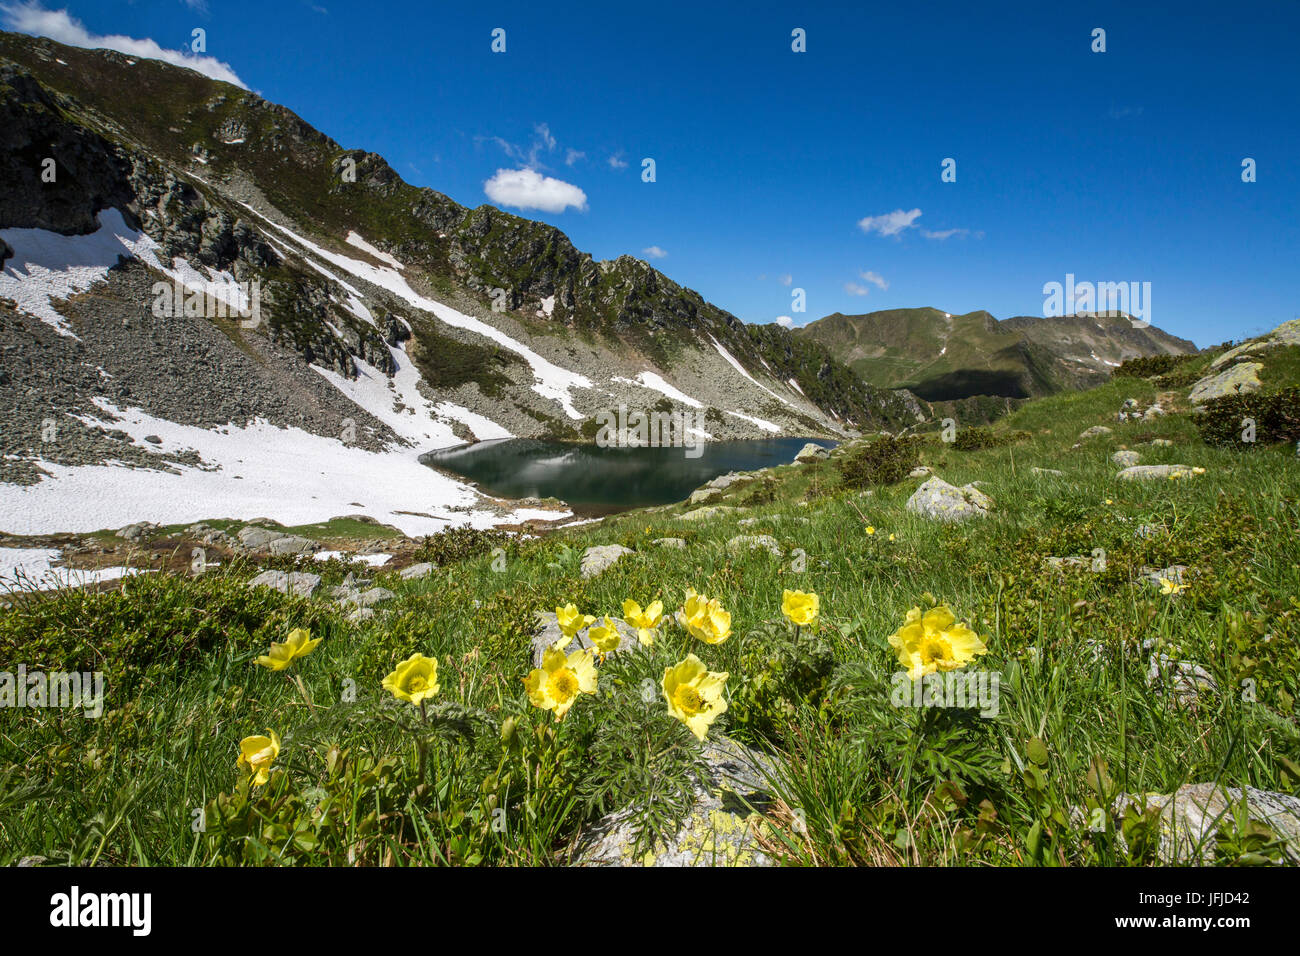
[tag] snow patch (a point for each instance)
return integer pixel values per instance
(355, 240)
(761, 423)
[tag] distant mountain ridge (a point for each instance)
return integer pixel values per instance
(943, 357)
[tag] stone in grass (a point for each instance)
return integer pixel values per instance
(1185, 681)
(1175, 572)
(138, 530)
(754, 542)
(1050, 472)
(811, 452)
(1126, 459)
(549, 633)
(298, 583)
(1239, 379)
(700, 495)
(679, 543)
(1192, 816)
(1096, 431)
(292, 544)
(1152, 472)
(944, 502)
(359, 614)
(721, 828)
(920, 471)
(1161, 443)
(708, 513)
(600, 557)
(256, 539)
(416, 571)
(374, 596)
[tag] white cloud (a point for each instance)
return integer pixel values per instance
(544, 136)
(617, 162)
(852, 288)
(573, 155)
(875, 279)
(891, 223)
(786, 279)
(32, 18)
(529, 189)
(654, 252)
(784, 321)
(945, 234)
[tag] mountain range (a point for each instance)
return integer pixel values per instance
(193, 278)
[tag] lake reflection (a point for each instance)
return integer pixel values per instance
(597, 480)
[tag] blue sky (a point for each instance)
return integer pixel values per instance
(778, 170)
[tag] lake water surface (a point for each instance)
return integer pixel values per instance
(596, 480)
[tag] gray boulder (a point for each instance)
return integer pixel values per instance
(1126, 459)
(1242, 377)
(292, 544)
(810, 453)
(708, 513)
(598, 558)
(416, 571)
(374, 596)
(1193, 815)
(679, 543)
(549, 633)
(1151, 472)
(754, 542)
(299, 583)
(720, 828)
(944, 502)
(1096, 431)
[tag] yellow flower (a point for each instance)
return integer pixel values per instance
(1109, 502)
(1169, 587)
(891, 536)
(415, 679)
(257, 754)
(1198, 470)
(800, 608)
(694, 694)
(281, 656)
(704, 618)
(871, 529)
(645, 622)
(556, 684)
(571, 622)
(605, 636)
(934, 642)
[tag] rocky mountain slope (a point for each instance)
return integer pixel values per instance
(943, 357)
(184, 260)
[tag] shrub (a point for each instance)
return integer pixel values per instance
(1145, 366)
(1276, 416)
(883, 462)
(458, 544)
(973, 439)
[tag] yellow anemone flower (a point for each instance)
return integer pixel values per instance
(704, 618)
(694, 694)
(1170, 587)
(571, 622)
(258, 754)
(646, 622)
(556, 684)
(605, 636)
(800, 608)
(281, 656)
(871, 529)
(415, 679)
(934, 642)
